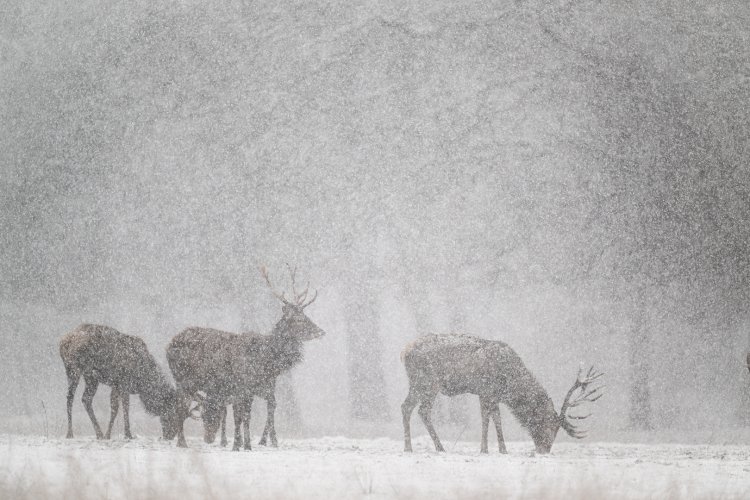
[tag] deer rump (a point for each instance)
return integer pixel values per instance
(226, 368)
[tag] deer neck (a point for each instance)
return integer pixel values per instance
(530, 403)
(158, 398)
(284, 349)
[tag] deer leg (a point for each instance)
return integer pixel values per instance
(114, 405)
(126, 412)
(425, 411)
(270, 428)
(73, 379)
(485, 408)
(88, 396)
(183, 410)
(407, 407)
(248, 406)
(238, 413)
(224, 426)
(495, 414)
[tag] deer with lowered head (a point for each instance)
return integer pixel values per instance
(103, 355)
(459, 364)
(232, 368)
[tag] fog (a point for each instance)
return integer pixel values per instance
(569, 177)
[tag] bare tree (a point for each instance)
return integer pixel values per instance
(460, 364)
(234, 368)
(103, 355)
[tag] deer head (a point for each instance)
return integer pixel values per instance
(544, 430)
(294, 323)
(169, 424)
(211, 412)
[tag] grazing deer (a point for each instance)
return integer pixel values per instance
(460, 364)
(234, 368)
(103, 355)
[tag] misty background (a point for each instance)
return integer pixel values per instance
(570, 177)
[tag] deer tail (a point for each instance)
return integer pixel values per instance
(407, 350)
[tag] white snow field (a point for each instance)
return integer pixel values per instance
(337, 467)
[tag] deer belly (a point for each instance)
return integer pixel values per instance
(104, 376)
(453, 386)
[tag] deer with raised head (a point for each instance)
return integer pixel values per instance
(459, 364)
(103, 355)
(228, 367)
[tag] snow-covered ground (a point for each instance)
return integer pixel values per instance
(337, 467)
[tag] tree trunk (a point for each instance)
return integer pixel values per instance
(743, 408)
(367, 395)
(640, 375)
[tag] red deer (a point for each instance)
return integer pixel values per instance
(234, 368)
(103, 355)
(459, 364)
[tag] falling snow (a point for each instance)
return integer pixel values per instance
(570, 178)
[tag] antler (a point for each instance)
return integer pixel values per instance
(299, 298)
(586, 395)
(278, 295)
(305, 304)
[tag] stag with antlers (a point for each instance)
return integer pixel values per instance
(228, 367)
(460, 364)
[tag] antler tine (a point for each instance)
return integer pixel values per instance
(303, 295)
(281, 297)
(293, 275)
(586, 395)
(579, 417)
(573, 430)
(591, 375)
(315, 296)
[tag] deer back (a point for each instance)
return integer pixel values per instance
(110, 356)
(203, 359)
(457, 364)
